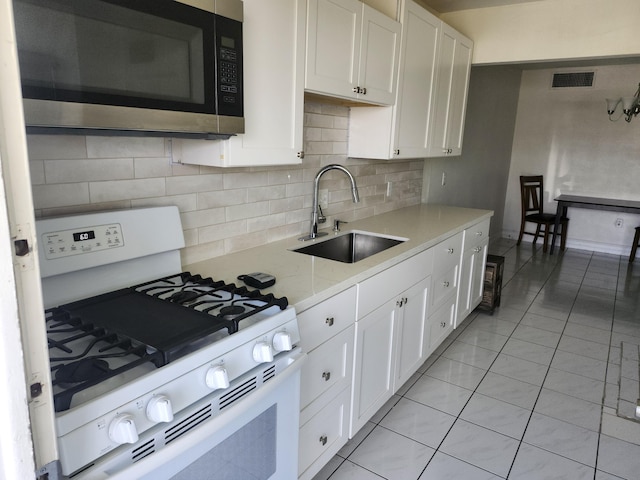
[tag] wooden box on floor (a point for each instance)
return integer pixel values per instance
(492, 283)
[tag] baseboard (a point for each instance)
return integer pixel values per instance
(577, 244)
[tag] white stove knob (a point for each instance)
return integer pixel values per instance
(159, 409)
(217, 377)
(282, 342)
(122, 429)
(262, 352)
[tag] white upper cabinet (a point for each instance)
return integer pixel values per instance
(273, 34)
(402, 131)
(452, 84)
(352, 51)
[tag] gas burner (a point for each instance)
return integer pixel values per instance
(231, 311)
(184, 296)
(82, 370)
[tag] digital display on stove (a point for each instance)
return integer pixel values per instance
(82, 236)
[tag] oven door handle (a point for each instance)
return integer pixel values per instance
(157, 465)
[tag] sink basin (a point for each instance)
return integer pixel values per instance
(351, 247)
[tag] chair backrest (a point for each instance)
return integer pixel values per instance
(531, 189)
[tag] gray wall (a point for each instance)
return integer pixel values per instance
(478, 178)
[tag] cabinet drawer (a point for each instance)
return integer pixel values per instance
(323, 435)
(444, 285)
(441, 324)
(447, 253)
(328, 365)
(476, 234)
(382, 287)
(322, 321)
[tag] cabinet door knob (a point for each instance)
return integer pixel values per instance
(396, 151)
(329, 321)
(479, 234)
(443, 324)
(477, 249)
(300, 154)
(323, 439)
(399, 303)
(326, 376)
(450, 251)
(445, 283)
(363, 90)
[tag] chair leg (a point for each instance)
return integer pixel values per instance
(563, 235)
(545, 239)
(535, 238)
(634, 247)
(521, 232)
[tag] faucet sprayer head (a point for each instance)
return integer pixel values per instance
(355, 195)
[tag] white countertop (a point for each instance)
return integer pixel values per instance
(306, 280)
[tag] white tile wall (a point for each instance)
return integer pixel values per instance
(223, 210)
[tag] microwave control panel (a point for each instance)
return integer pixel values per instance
(79, 241)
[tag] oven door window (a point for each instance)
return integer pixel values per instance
(256, 440)
(113, 52)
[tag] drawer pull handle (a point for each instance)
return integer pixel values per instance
(326, 376)
(443, 324)
(329, 321)
(450, 251)
(479, 234)
(445, 284)
(477, 249)
(323, 440)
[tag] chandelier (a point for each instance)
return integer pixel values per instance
(630, 106)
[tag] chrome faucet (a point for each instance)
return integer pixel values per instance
(313, 230)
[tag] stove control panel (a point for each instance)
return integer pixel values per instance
(79, 241)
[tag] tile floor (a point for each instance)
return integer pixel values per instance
(530, 392)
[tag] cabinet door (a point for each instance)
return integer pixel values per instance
(441, 324)
(273, 84)
(273, 92)
(373, 366)
(452, 83)
(416, 82)
(333, 46)
(378, 57)
(477, 275)
(413, 332)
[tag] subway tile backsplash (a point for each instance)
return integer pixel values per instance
(223, 209)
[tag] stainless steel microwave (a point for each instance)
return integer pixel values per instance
(136, 67)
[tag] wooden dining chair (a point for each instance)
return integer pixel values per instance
(531, 192)
(634, 247)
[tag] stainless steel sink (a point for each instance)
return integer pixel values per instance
(351, 247)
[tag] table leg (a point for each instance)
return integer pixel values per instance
(559, 214)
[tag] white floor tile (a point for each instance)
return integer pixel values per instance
(580, 365)
(575, 385)
(618, 457)
(481, 447)
(519, 369)
(569, 409)
(419, 422)
(440, 395)
(391, 455)
(536, 335)
(496, 415)
(455, 372)
(509, 390)
(533, 463)
(351, 471)
(445, 467)
(470, 354)
(529, 351)
(562, 438)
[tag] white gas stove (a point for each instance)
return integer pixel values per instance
(142, 354)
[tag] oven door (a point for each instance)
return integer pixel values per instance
(255, 439)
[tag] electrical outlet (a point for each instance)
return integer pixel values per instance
(619, 223)
(323, 197)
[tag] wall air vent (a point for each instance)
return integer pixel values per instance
(573, 79)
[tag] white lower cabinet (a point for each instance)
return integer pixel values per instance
(327, 335)
(474, 258)
(391, 334)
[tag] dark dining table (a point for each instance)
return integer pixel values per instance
(594, 203)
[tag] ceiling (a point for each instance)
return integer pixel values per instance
(444, 6)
